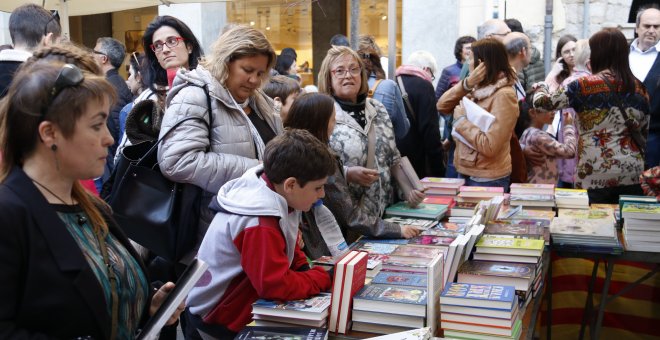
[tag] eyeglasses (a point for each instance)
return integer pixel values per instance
(340, 72)
(171, 42)
(431, 72)
(69, 76)
(99, 52)
(55, 17)
(134, 55)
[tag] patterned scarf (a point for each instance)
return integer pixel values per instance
(355, 110)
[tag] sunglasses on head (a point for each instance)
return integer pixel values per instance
(69, 76)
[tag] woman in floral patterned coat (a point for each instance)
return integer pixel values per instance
(342, 75)
(610, 160)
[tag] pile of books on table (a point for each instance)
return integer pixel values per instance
(480, 311)
(641, 226)
(533, 196)
(312, 312)
(571, 198)
(437, 186)
(595, 231)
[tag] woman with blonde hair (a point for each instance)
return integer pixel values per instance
(229, 137)
(68, 269)
(363, 136)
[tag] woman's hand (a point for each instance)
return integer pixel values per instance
(459, 110)
(567, 118)
(408, 231)
(415, 197)
(361, 175)
(476, 76)
(159, 298)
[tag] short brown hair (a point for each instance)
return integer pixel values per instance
(311, 112)
(298, 154)
(325, 76)
(493, 53)
(281, 86)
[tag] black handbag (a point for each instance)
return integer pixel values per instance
(159, 214)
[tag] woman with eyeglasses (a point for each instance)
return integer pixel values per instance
(68, 270)
(483, 158)
(564, 63)
(362, 124)
(169, 46)
(382, 89)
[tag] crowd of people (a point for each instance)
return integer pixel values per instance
(286, 175)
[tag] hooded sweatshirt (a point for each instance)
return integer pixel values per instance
(252, 253)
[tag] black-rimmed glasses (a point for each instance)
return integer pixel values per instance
(54, 17)
(69, 76)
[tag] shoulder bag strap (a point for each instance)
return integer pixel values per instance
(209, 125)
(404, 95)
(372, 90)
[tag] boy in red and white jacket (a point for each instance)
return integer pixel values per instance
(251, 246)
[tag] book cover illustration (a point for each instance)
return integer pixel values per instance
(281, 333)
(440, 233)
(488, 268)
(480, 292)
(583, 227)
(401, 279)
(645, 208)
(389, 293)
(406, 261)
(515, 243)
(417, 223)
(513, 229)
(414, 251)
(376, 248)
(448, 201)
(383, 240)
(571, 193)
(442, 182)
(431, 240)
(315, 304)
(402, 208)
(490, 190)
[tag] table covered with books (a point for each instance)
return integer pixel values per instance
(481, 265)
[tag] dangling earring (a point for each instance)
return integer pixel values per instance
(57, 162)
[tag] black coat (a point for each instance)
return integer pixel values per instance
(422, 144)
(47, 288)
(124, 96)
(652, 83)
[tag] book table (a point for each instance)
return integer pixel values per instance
(593, 314)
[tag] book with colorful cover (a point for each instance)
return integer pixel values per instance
(519, 275)
(431, 240)
(476, 191)
(414, 298)
(405, 263)
(417, 223)
(647, 211)
(297, 333)
(401, 279)
(571, 197)
(532, 188)
(314, 308)
(428, 211)
(440, 233)
(379, 240)
(416, 251)
(444, 200)
(375, 247)
(479, 295)
(440, 182)
(510, 246)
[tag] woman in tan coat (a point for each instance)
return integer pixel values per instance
(487, 160)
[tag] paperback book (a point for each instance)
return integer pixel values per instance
(427, 211)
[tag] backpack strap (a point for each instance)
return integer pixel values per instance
(404, 95)
(372, 90)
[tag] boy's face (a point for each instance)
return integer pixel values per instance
(302, 198)
(284, 111)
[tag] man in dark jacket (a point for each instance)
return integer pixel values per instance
(535, 71)
(109, 54)
(422, 144)
(30, 27)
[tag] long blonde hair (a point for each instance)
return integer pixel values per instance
(24, 109)
(237, 42)
(325, 75)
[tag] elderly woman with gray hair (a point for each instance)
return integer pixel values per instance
(230, 137)
(422, 144)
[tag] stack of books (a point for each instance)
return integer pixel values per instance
(533, 196)
(579, 234)
(510, 248)
(349, 276)
(641, 226)
(437, 186)
(389, 308)
(571, 198)
(312, 312)
(519, 275)
(477, 194)
(480, 311)
(442, 200)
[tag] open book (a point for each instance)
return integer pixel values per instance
(477, 116)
